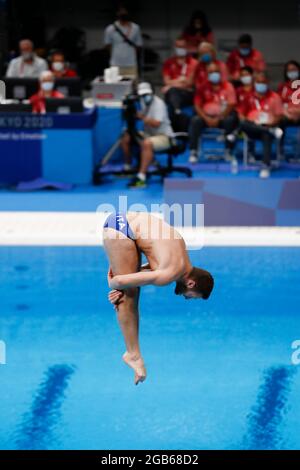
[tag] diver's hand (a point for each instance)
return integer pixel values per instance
(112, 280)
(115, 298)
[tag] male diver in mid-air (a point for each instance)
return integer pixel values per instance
(126, 238)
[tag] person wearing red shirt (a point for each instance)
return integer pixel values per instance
(207, 56)
(59, 67)
(38, 101)
(289, 94)
(177, 73)
(260, 117)
(246, 89)
(245, 55)
(197, 31)
(215, 105)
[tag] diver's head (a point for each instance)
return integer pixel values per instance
(198, 284)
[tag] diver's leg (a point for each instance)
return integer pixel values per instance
(124, 258)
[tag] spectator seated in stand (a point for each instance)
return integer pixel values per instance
(197, 31)
(289, 94)
(59, 67)
(207, 56)
(177, 74)
(245, 55)
(47, 84)
(215, 104)
(261, 114)
(246, 89)
(28, 64)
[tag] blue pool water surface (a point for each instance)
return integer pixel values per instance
(220, 372)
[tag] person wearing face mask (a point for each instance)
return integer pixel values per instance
(245, 55)
(177, 73)
(246, 89)
(287, 91)
(207, 56)
(28, 64)
(47, 83)
(124, 40)
(156, 136)
(59, 67)
(215, 105)
(197, 31)
(261, 114)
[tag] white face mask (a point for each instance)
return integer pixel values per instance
(246, 80)
(180, 52)
(245, 51)
(47, 86)
(147, 99)
(293, 74)
(261, 88)
(215, 78)
(58, 66)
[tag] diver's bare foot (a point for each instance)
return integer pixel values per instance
(137, 364)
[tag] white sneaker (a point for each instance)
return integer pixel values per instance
(193, 159)
(277, 132)
(231, 138)
(265, 173)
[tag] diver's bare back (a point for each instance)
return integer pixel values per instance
(162, 245)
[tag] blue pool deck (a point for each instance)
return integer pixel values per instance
(87, 198)
(220, 372)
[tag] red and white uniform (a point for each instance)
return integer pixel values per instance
(236, 62)
(200, 75)
(38, 101)
(214, 100)
(193, 41)
(243, 94)
(291, 99)
(66, 73)
(175, 69)
(263, 110)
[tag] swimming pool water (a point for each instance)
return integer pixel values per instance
(220, 372)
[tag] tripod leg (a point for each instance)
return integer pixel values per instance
(111, 151)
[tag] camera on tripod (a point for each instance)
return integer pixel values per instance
(129, 106)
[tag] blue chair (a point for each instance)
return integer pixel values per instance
(179, 143)
(291, 143)
(277, 150)
(213, 144)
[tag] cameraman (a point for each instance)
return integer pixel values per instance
(156, 136)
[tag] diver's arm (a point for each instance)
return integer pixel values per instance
(156, 278)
